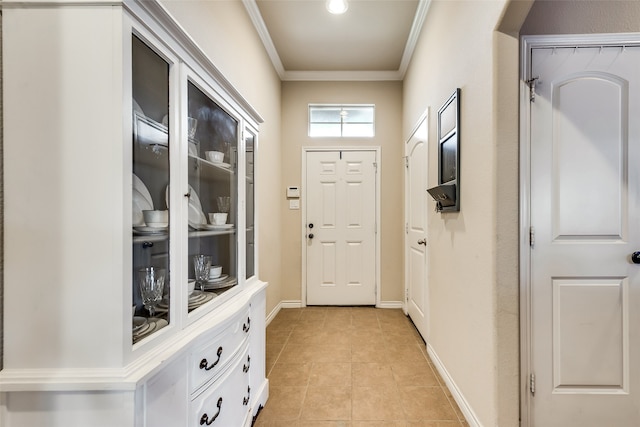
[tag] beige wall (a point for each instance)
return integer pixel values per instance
(224, 31)
(387, 97)
(582, 17)
(473, 253)
(474, 289)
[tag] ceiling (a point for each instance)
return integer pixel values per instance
(373, 40)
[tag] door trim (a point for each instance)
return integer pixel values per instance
(528, 43)
(405, 301)
(303, 222)
(424, 119)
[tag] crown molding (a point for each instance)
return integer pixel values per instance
(263, 33)
(339, 76)
(414, 34)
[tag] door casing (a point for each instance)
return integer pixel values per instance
(303, 225)
(421, 130)
(527, 44)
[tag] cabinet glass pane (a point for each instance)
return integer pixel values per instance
(212, 217)
(150, 275)
(249, 142)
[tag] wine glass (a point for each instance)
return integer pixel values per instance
(151, 281)
(201, 266)
(224, 204)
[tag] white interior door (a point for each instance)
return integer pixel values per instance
(585, 214)
(416, 152)
(341, 227)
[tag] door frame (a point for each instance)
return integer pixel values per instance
(303, 222)
(528, 43)
(424, 119)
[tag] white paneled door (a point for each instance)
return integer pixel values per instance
(585, 218)
(341, 226)
(416, 259)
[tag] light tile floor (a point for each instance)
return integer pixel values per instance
(352, 367)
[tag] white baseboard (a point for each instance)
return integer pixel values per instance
(390, 304)
(468, 413)
(291, 304)
(298, 304)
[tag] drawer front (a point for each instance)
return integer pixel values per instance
(226, 402)
(210, 358)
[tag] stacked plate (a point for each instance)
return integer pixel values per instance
(143, 229)
(143, 326)
(223, 281)
(142, 201)
(216, 227)
(196, 299)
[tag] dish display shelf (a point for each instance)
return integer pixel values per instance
(213, 136)
(128, 107)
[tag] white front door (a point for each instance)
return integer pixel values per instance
(416, 259)
(585, 219)
(341, 227)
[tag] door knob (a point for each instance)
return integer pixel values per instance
(311, 225)
(310, 236)
(422, 242)
(635, 257)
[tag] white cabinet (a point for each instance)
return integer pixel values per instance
(110, 110)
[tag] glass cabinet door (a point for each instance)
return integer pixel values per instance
(213, 192)
(150, 275)
(249, 147)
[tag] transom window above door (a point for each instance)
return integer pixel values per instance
(331, 120)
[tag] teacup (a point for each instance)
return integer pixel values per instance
(215, 271)
(218, 218)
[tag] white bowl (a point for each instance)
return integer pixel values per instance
(215, 271)
(156, 218)
(214, 156)
(191, 286)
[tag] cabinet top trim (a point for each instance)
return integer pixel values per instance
(154, 10)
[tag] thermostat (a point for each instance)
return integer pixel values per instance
(293, 192)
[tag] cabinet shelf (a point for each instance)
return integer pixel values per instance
(211, 171)
(207, 233)
(164, 236)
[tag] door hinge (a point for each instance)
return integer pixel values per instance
(532, 88)
(406, 228)
(375, 166)
(406, 162)
(406, 295)
(532, 384)
(532, 236)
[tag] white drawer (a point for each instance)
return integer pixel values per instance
(226, 402)
(209, 359)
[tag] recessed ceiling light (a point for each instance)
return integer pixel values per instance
(337, 7)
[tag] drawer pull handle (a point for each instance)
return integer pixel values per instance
(247, 326)
(205, 418)
(204, 363)
(245, 400)
(245, 368)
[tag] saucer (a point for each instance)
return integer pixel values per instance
(217, 227)
(217, 279)
(145, 229)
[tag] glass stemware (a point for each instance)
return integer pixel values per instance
(224, 204)
(201, 266)
(151, 281)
